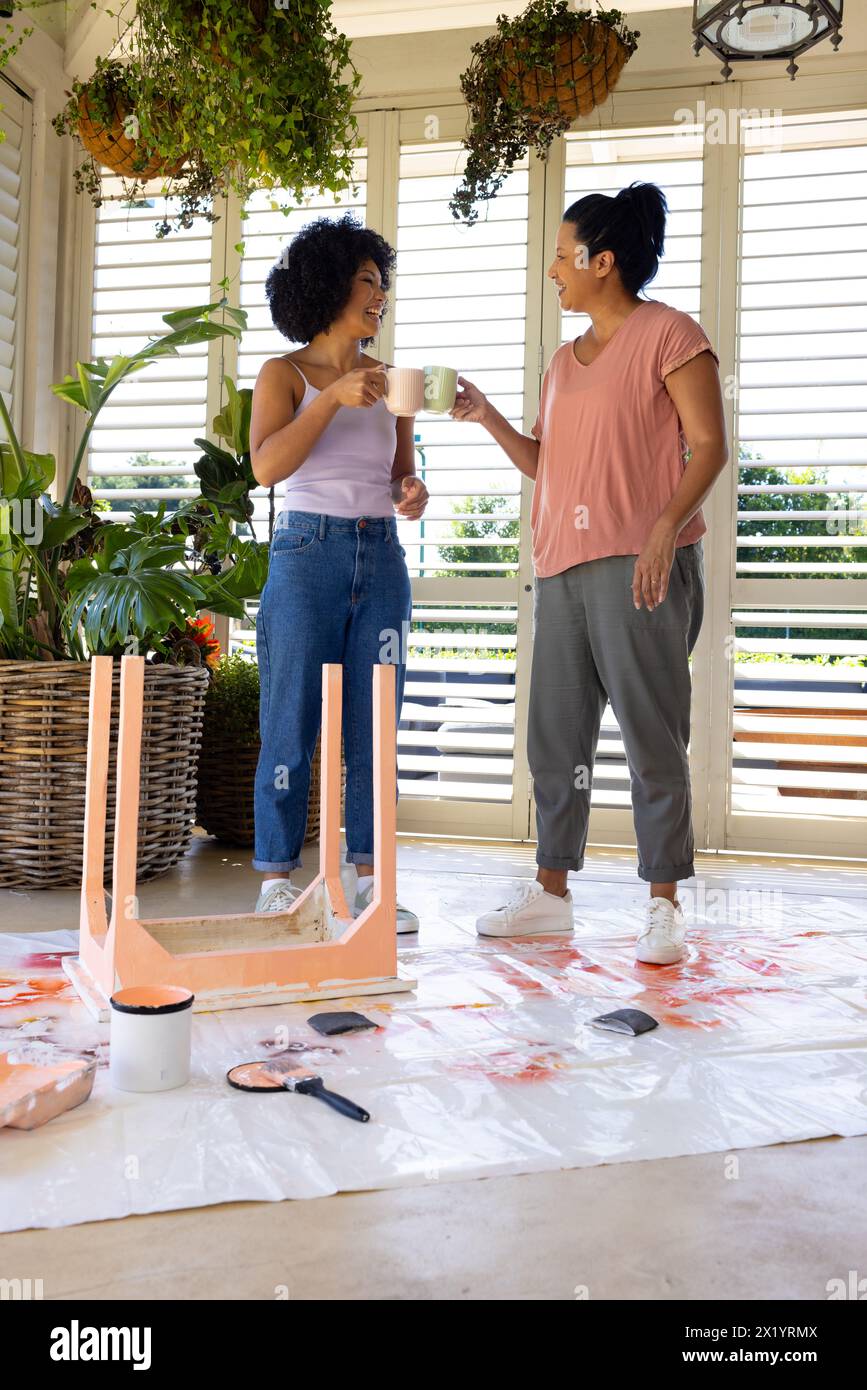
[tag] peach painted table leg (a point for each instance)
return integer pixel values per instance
(233, 961)
(97, 938)
(329, 795)
(124, 902)
(384, 797)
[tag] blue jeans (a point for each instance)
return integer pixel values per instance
(337, 591)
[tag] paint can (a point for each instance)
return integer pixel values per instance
(150, 1037)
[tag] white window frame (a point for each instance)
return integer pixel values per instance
(409, 120)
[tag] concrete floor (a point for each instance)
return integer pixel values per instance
(793, 1218)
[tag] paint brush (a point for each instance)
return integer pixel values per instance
(284, 1074)
(301, 1079)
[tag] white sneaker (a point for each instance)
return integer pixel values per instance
(662, 941)
(406, 920)
(531, 911)
(278, 898)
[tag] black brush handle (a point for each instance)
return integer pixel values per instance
(346, 1107)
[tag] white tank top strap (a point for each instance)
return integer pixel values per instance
(308, 385)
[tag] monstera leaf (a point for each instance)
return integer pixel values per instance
(137, 596)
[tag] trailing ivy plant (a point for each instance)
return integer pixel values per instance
(503, 124)
(10, 41)
(112, 98)
(237, 95)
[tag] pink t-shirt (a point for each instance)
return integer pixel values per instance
(611, 443)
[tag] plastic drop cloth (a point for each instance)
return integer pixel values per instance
(490, 1067)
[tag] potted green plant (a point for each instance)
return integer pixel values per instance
(227, 95)
(119, 131)
(230, 754)
(230, 751)
(226, 474)
(526, 84)
(72, 585)
(265, 93)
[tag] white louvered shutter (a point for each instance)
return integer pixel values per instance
(799, 768)
(142, 447)
(461, 302)
(14, 179)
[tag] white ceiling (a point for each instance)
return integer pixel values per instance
(88, 28)
(363, 18)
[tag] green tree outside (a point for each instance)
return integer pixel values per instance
(106, 481)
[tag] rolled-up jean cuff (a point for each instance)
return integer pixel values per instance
(667, 873)
(263, 867)
(355, 856)
(550, 861)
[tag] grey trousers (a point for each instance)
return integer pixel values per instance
(593, 646)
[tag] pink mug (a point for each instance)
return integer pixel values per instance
(405, 390)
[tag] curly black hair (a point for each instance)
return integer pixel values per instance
(311, 283)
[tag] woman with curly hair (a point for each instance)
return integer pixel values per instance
(338, 589)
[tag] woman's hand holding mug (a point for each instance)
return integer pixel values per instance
(470, 404)
(363, 386)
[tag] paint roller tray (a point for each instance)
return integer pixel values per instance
(31, 1094)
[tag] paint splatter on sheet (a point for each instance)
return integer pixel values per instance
(490, 1066)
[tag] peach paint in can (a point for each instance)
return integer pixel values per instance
(151, 1028)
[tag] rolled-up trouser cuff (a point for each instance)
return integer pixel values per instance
(550, 861)
(264, 867)
(355, 856)
(667, 873)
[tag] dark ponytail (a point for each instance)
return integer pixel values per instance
(632, 225)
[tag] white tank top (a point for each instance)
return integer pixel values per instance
(348, 470)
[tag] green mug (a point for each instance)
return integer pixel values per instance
(440, 388)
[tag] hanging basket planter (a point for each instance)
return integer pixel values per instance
(528, 82)
(111, 146)
(230, 96)
(132, 132)
(584, 70)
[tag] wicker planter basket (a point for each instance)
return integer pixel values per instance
(112, 147)
(227, 773)
(593, 81)
(43, 746)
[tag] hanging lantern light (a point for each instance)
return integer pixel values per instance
(740, 30)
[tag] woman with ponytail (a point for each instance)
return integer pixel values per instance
(627, 444)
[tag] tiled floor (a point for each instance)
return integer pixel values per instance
(791, 1220)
